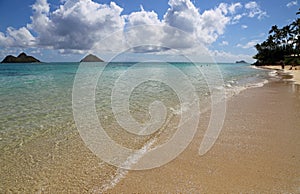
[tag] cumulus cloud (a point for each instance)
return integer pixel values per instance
(213, 23)
(182, 15)
(182, 26)
(17, 38)
(142, 17)
(143, 27)
(292, 3)
(41, 23)
(41, 6)
(183, 18)
(77, 26)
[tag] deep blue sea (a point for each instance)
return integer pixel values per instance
(36, 99)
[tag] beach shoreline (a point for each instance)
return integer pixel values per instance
(287, 69)
(254, 153)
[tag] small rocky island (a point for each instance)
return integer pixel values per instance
(91, 58)
(242, 61)
(21, 58)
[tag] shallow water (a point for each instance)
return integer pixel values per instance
(41, 150)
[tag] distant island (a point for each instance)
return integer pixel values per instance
(91, 58)
(242, 61)
(21, 58)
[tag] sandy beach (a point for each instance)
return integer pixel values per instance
(295, 71)
(257, 151)
(149, 97)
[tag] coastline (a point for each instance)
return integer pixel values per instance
(254, 153)
(59, 161)
(294, 73)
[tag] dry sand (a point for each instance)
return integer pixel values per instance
(258, 150)
(296, 75)
(293, 72)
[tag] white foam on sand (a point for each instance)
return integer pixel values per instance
(131, 160)
(273, 73)
(238, 89)
(231, 89)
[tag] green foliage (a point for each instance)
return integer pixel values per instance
(282, 44)
(292, 60)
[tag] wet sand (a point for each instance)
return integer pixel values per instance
(294, 71)
(258, 150)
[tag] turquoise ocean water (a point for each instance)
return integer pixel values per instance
(37, 128)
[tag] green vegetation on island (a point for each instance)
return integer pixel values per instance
(21, 58)
(281, 47)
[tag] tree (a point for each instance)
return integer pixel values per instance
(281, 44)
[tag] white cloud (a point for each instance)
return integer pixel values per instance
(230, 57)
(41, 6)
(224, 43)
(17, 38)
(182, 27)
(141, 27)
(184, 16)
(142, 17)
(236, 18)
(248, 45)
(255, 10)
(40, 22)
(233, 7)
(251, 9)
(244, 26)
(213, 24)
(292, 3)
(78, 26)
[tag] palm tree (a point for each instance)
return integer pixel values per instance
(281, 43)
(277, 34)
(274, 29)
(295, 30)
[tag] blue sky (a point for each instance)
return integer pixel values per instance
(66, 30)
